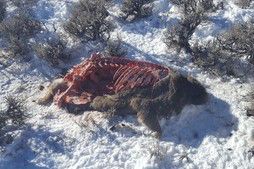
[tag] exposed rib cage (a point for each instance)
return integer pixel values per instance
(99, 75)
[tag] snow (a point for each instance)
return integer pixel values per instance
(215, 135)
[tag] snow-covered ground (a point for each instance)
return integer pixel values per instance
(215, 135)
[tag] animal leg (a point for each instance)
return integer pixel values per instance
(150, 120)
(77, 109)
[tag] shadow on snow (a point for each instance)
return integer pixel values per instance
(193, 124)
(25, 150)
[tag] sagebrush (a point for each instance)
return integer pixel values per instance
(223, 55)
(2, 10)
(20, 26)
(243, 3)
(133, 9)
(178, 35)
(195, 6)
(115, 48)
(220, 56)
(88, 20)
(194, 12)
(250, 108)
(16, 111)
(23, 3)
(11, 118)
(212, 59)
(53, 51)
(17, 30)
(239, 40)
(3, 120)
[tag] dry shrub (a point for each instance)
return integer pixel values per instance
(243, 3)
(20, 26)
(12, 118)
(115, 48)
(133, 9)
(16, 111)
(194, 12)
(195, 6)
(223, 55)
(178, 36)
(212, 59)
(53, 51)
(239, 40)
(250, 110)
(18, 48)
(88, 20)
(2, 10)
(24, 3)
(3, 120)
(17, 30)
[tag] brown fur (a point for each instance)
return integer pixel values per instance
(163, 99)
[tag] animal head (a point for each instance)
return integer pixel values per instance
(190, 90)
(48, 92)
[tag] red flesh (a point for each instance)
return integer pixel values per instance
(98, 76)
